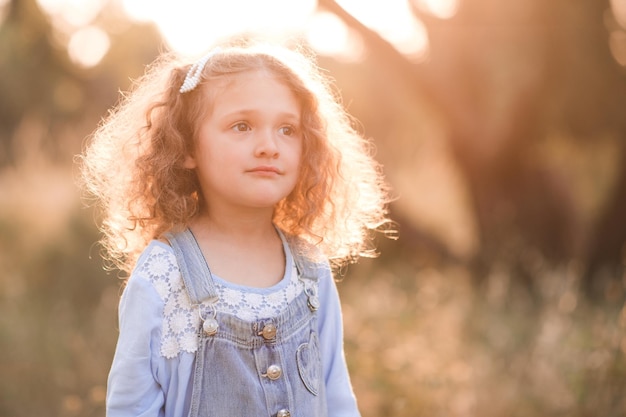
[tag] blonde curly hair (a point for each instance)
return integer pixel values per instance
(133, 164)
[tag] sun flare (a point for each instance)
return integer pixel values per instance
(190, 27)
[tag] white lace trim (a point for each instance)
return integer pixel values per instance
(251, 305)
(181, 319)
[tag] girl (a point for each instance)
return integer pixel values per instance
(226, 188)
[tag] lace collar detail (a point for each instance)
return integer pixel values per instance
(181, 319)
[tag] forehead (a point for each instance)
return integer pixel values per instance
(254, 89)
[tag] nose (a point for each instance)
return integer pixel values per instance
(266, 145)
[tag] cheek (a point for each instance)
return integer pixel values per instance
(298, 155)
(298, 151)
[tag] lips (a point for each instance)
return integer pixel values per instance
(266, 170)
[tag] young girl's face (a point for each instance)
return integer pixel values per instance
(248, 150)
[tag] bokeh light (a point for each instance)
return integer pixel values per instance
(88, 45)
(73, 21)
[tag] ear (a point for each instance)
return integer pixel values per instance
(190, 162)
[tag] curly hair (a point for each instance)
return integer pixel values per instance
(133, 164)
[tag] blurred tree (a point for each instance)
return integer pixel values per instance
(607, 247)
(506, 75)
(589, 91)
(41, 85)
(33, 73)
(57, 307)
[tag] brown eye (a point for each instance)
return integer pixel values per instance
(287, 130)
(241, 127)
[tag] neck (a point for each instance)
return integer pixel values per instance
(248, 225)
(241, 247)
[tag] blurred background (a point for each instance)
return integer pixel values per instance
(501, 127)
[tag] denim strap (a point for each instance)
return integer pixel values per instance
(193, 267)
(307, 268)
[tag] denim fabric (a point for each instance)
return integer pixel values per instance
(242, 370)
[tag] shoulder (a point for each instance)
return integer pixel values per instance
(303, 247)
(309, 259)
(152, 279)
(155, 253)
(157, 266)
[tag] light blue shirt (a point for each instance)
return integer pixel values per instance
(148, 378)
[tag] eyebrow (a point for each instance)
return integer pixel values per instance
(252, 112)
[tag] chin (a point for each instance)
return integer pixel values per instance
(265, 203)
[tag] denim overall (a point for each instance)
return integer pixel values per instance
(271, 367)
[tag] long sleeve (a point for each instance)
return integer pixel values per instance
(340, 397)
(133, 388)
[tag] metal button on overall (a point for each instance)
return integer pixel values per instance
(283, 413)
(269, 331)
(313, 303)
(210, 326)
(274, 372)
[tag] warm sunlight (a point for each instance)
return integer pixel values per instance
(3, 9)
(443, 9)
(619, 11)
(190, 27)
(74, 13)
(394, 21)
(617, 37)
(499, 127)
(328, 35)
